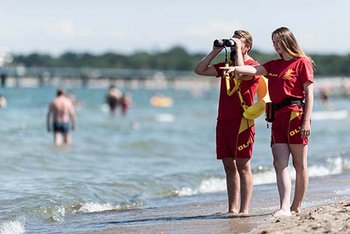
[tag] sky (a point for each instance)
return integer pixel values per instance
(127, 26)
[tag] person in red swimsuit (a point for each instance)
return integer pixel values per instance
(126, 102)
(234, 134)
(290, 81)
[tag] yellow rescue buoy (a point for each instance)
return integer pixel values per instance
(258, 107)
(161, 101)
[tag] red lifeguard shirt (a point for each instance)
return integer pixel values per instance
(286, 78)
(230, 106)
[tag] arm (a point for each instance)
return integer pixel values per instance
(309, 102)
(244, 71)
(204, 68)
(73, 117)
(239, 60)
(48, 118)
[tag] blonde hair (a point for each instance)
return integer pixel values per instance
(247, 36)
(289, 43)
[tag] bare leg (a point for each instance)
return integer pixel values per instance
(67, 139)
(246, 184)
(281, 156)
(232, 183)
(299, 155)
(57, 138)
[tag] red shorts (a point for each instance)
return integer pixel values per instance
(286, 128)
(235, 140)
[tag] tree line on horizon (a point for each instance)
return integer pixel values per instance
(176, 58)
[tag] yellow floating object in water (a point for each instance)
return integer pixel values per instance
(258, 108)
(161, 101)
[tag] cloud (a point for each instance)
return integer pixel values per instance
(123, 35)
(61, 28)
(5, 31)
(199, 37)
(212, 30)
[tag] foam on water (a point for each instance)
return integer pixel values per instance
(330, 115)
(165, 117)
(12, 227)
(210, 185)
(95, 207)
(336, 166)
(55, 213)
(345, 191)
(92, 207)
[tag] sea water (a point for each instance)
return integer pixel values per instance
(143, 159)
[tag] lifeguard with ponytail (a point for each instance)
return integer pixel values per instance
(235, 129)
(291, 82)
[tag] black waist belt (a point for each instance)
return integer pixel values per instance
(287, 102)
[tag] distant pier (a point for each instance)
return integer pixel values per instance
(97, 77)
(69, 77)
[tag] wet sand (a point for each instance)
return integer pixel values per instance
(326, 210)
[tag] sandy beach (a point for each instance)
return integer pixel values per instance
(330, 218)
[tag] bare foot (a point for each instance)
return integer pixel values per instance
(232, 214)
(295, 210)
(243, 214)
(233, 211)
(281, 213)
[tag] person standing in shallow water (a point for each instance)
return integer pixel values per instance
(113, 98)
(232, 129)
(61, 113)
(126, 102)
(290, 81)
(3, 102)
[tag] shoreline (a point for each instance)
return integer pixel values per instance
(327, 199)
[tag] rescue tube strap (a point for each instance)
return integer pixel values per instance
(237, 82)
(236, 88)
